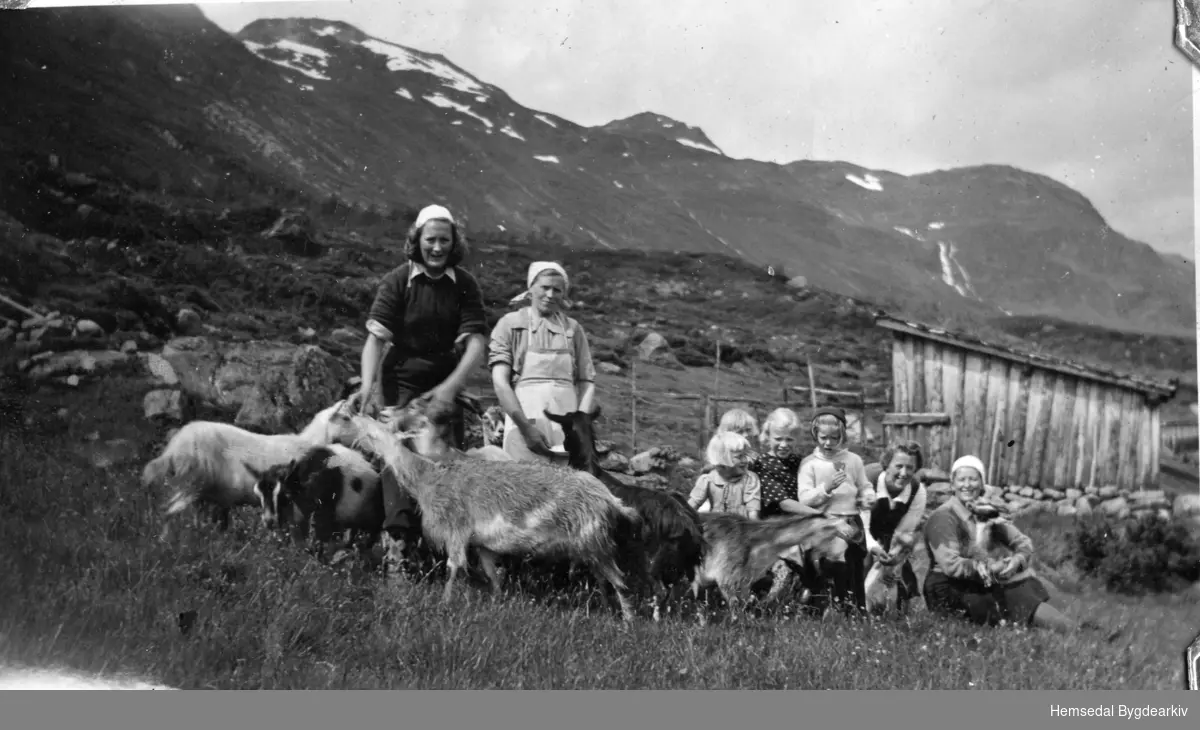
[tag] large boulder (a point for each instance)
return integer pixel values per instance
(286, 399)
(275, 385)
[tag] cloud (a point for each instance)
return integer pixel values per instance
(904, 86)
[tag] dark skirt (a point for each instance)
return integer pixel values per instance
(1013, 602)
(842, 584)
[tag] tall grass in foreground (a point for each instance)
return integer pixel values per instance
(86, 585)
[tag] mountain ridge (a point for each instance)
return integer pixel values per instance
(323, 107)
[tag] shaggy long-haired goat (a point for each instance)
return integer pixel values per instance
(741, 550)
(334, 486)
(670, 546)
(509, 508)
(215, 463)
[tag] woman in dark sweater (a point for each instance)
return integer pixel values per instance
(431, 313)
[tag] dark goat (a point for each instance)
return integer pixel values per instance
(671, 545)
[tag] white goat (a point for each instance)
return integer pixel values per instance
(510, 508)
(215, 463)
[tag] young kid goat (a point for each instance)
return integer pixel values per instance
(509, 508)
(215, 463)
(741, 550)
(670, 546)
(334, 486)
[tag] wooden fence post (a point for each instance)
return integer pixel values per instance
(633, 404)
(708, 405)
(717, 370)
(812, 384)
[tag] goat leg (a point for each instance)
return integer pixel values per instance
(606, 572)
(489, 561)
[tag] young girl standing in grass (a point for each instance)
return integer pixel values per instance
(730, 486)
(835, 483)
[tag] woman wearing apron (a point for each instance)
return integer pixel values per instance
(540, 360)
(426, 309)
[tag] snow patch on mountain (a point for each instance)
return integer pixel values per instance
(300, 54)
(547, 158)
(512, 132)
(405, 93)
(697, 145)
(546, 119)
(402, 59)
(441, 101)
(870, 182)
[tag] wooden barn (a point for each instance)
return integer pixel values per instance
(1033, 420)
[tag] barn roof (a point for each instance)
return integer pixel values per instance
(1146, 386)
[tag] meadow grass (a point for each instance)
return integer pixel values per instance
(87, 586)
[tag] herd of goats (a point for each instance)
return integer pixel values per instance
(634, 538)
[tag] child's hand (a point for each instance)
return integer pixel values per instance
(838, 480)
(881, 556)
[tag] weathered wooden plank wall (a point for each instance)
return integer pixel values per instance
(1029, 425)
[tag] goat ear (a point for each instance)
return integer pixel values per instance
(552, 416)
(596, 412)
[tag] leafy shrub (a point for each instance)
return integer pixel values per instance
(1138, 556)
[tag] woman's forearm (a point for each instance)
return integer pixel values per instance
(506, 396)
(371, 356)
(587, 396)
(475, 351)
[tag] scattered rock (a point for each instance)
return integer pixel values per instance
(286, 398)
(1092, 491)
(615, 461)
(1083, 506)
(1155, 499)
(1186, 505)
(188, 323)
(1107, 493)
(1073, 495)
(88, 328)
(653, 344)
(159, 368)
(1053, 494)
(1028, 492)
(1066, 510)
(75, 362)
(604, 367)
(348, 336)
(73, 381)
(130, 346)
(162, 404)
(1116, 507)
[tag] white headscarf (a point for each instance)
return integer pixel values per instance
(973, 462)
(433, 212)
(536, 268)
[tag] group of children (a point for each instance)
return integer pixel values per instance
(776, 479)
(980, 564)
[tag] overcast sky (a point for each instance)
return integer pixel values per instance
(1090, 92)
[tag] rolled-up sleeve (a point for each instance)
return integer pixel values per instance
(474, 316)
(753, 494)
(699, 493)
(500, 345)
(383, 321)
(941, 534)
(585, 369)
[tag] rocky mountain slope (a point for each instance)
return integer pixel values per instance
(161, 98)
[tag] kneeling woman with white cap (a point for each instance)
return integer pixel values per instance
(540, 360)
(431, 313)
